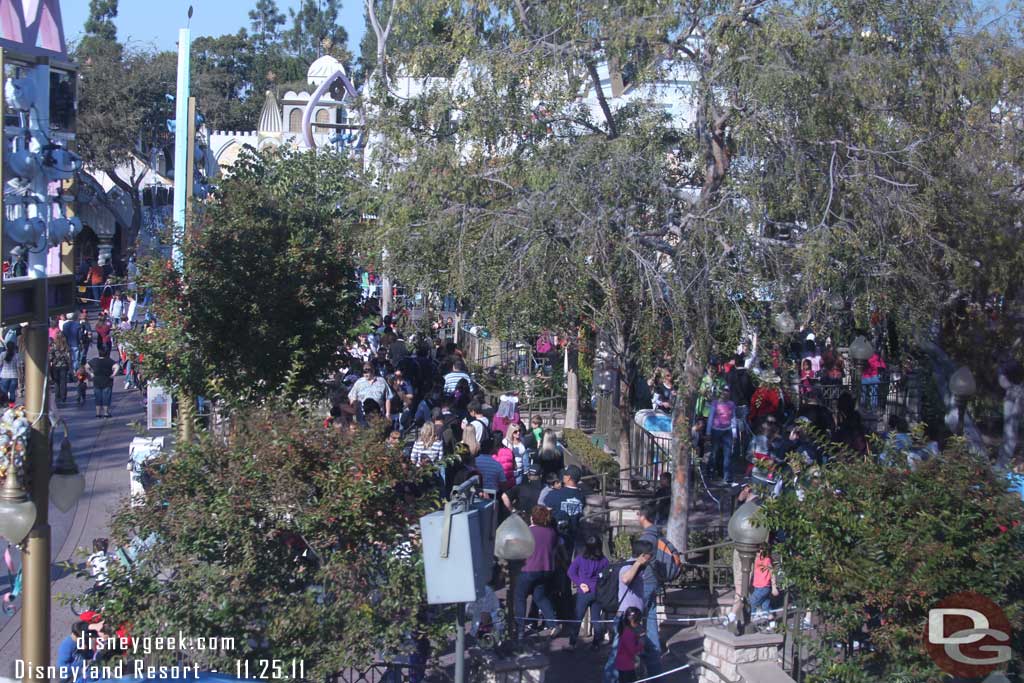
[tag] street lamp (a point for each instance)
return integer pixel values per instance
(963, 387)
(66, 482)
(860, 351)
(513, 542)
(747, 539)
(17, 512)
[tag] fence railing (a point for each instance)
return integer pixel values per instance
(649, 454)
(383, 672)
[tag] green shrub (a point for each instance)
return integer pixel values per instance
(590, 456)
(889, 542)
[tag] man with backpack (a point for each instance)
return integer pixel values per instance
(482, 426)
(619, 587)
(665, 565)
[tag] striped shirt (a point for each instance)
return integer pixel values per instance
(423, 455)
(492, 471)
(452, 379)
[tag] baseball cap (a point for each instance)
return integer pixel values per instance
(573, 472)
(91, 616)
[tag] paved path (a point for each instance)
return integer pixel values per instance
(101, 449)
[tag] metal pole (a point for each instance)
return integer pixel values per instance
(460, 644)
(181, 142)
(186, 402)
(35, 612)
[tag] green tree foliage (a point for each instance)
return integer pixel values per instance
(100, 31)
(872, 547)
(886, 146)
(266, 21)
(315, 22)
(291, 539)
(267, 288)
(122, 116)
(223, 81)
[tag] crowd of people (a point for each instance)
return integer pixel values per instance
(71, 338)
(746, 422)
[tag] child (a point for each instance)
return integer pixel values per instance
(630, 645)
(98, 561)
(83, 377)
(765, 585)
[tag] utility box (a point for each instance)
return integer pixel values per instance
(458, 563)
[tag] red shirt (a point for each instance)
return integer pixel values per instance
(762, 571)
(629, 647)
(103, 330)
(765, 401)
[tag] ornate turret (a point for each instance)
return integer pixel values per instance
(271, 124)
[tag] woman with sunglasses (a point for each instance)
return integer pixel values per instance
(513, 449)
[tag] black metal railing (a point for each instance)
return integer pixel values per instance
(383, 672)
(649, 454)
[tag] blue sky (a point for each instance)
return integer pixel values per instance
(156, 22)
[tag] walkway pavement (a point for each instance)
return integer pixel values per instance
(101, 450)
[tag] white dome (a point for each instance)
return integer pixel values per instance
(322, 69)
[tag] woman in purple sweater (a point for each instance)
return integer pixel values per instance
(537, 571)
(583, 572)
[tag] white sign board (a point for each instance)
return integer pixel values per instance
(158, 407)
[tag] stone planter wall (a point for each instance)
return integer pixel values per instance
(729, 654)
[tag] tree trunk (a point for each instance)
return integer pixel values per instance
(572, 387)
(678, 528)
(625, 400)
(131, 236)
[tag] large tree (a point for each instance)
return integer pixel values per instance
(831, 161)
(122, 118)
(267, 288)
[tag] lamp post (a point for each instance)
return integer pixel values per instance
(860, 351)
(17, 512)
(963, 387)
(512, 543)
(747, 539)
(66, 482)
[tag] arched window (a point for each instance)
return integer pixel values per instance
(295, 120)
(323, 116)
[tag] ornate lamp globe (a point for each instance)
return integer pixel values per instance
(744, 534)
(66, 482)
(861, 349)
(513, 541)
(962, 383)
(17, 512)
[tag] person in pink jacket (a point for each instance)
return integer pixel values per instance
(507, 459)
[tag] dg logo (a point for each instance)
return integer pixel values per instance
(968, 635)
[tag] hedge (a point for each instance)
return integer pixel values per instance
(590, 456)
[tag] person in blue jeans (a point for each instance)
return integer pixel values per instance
(583, 573)
(537, 572)
(101, 369)
(722, 426)
(649, 537)
(632, 590)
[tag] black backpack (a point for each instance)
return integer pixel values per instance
(487, 445)
(607, 592)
